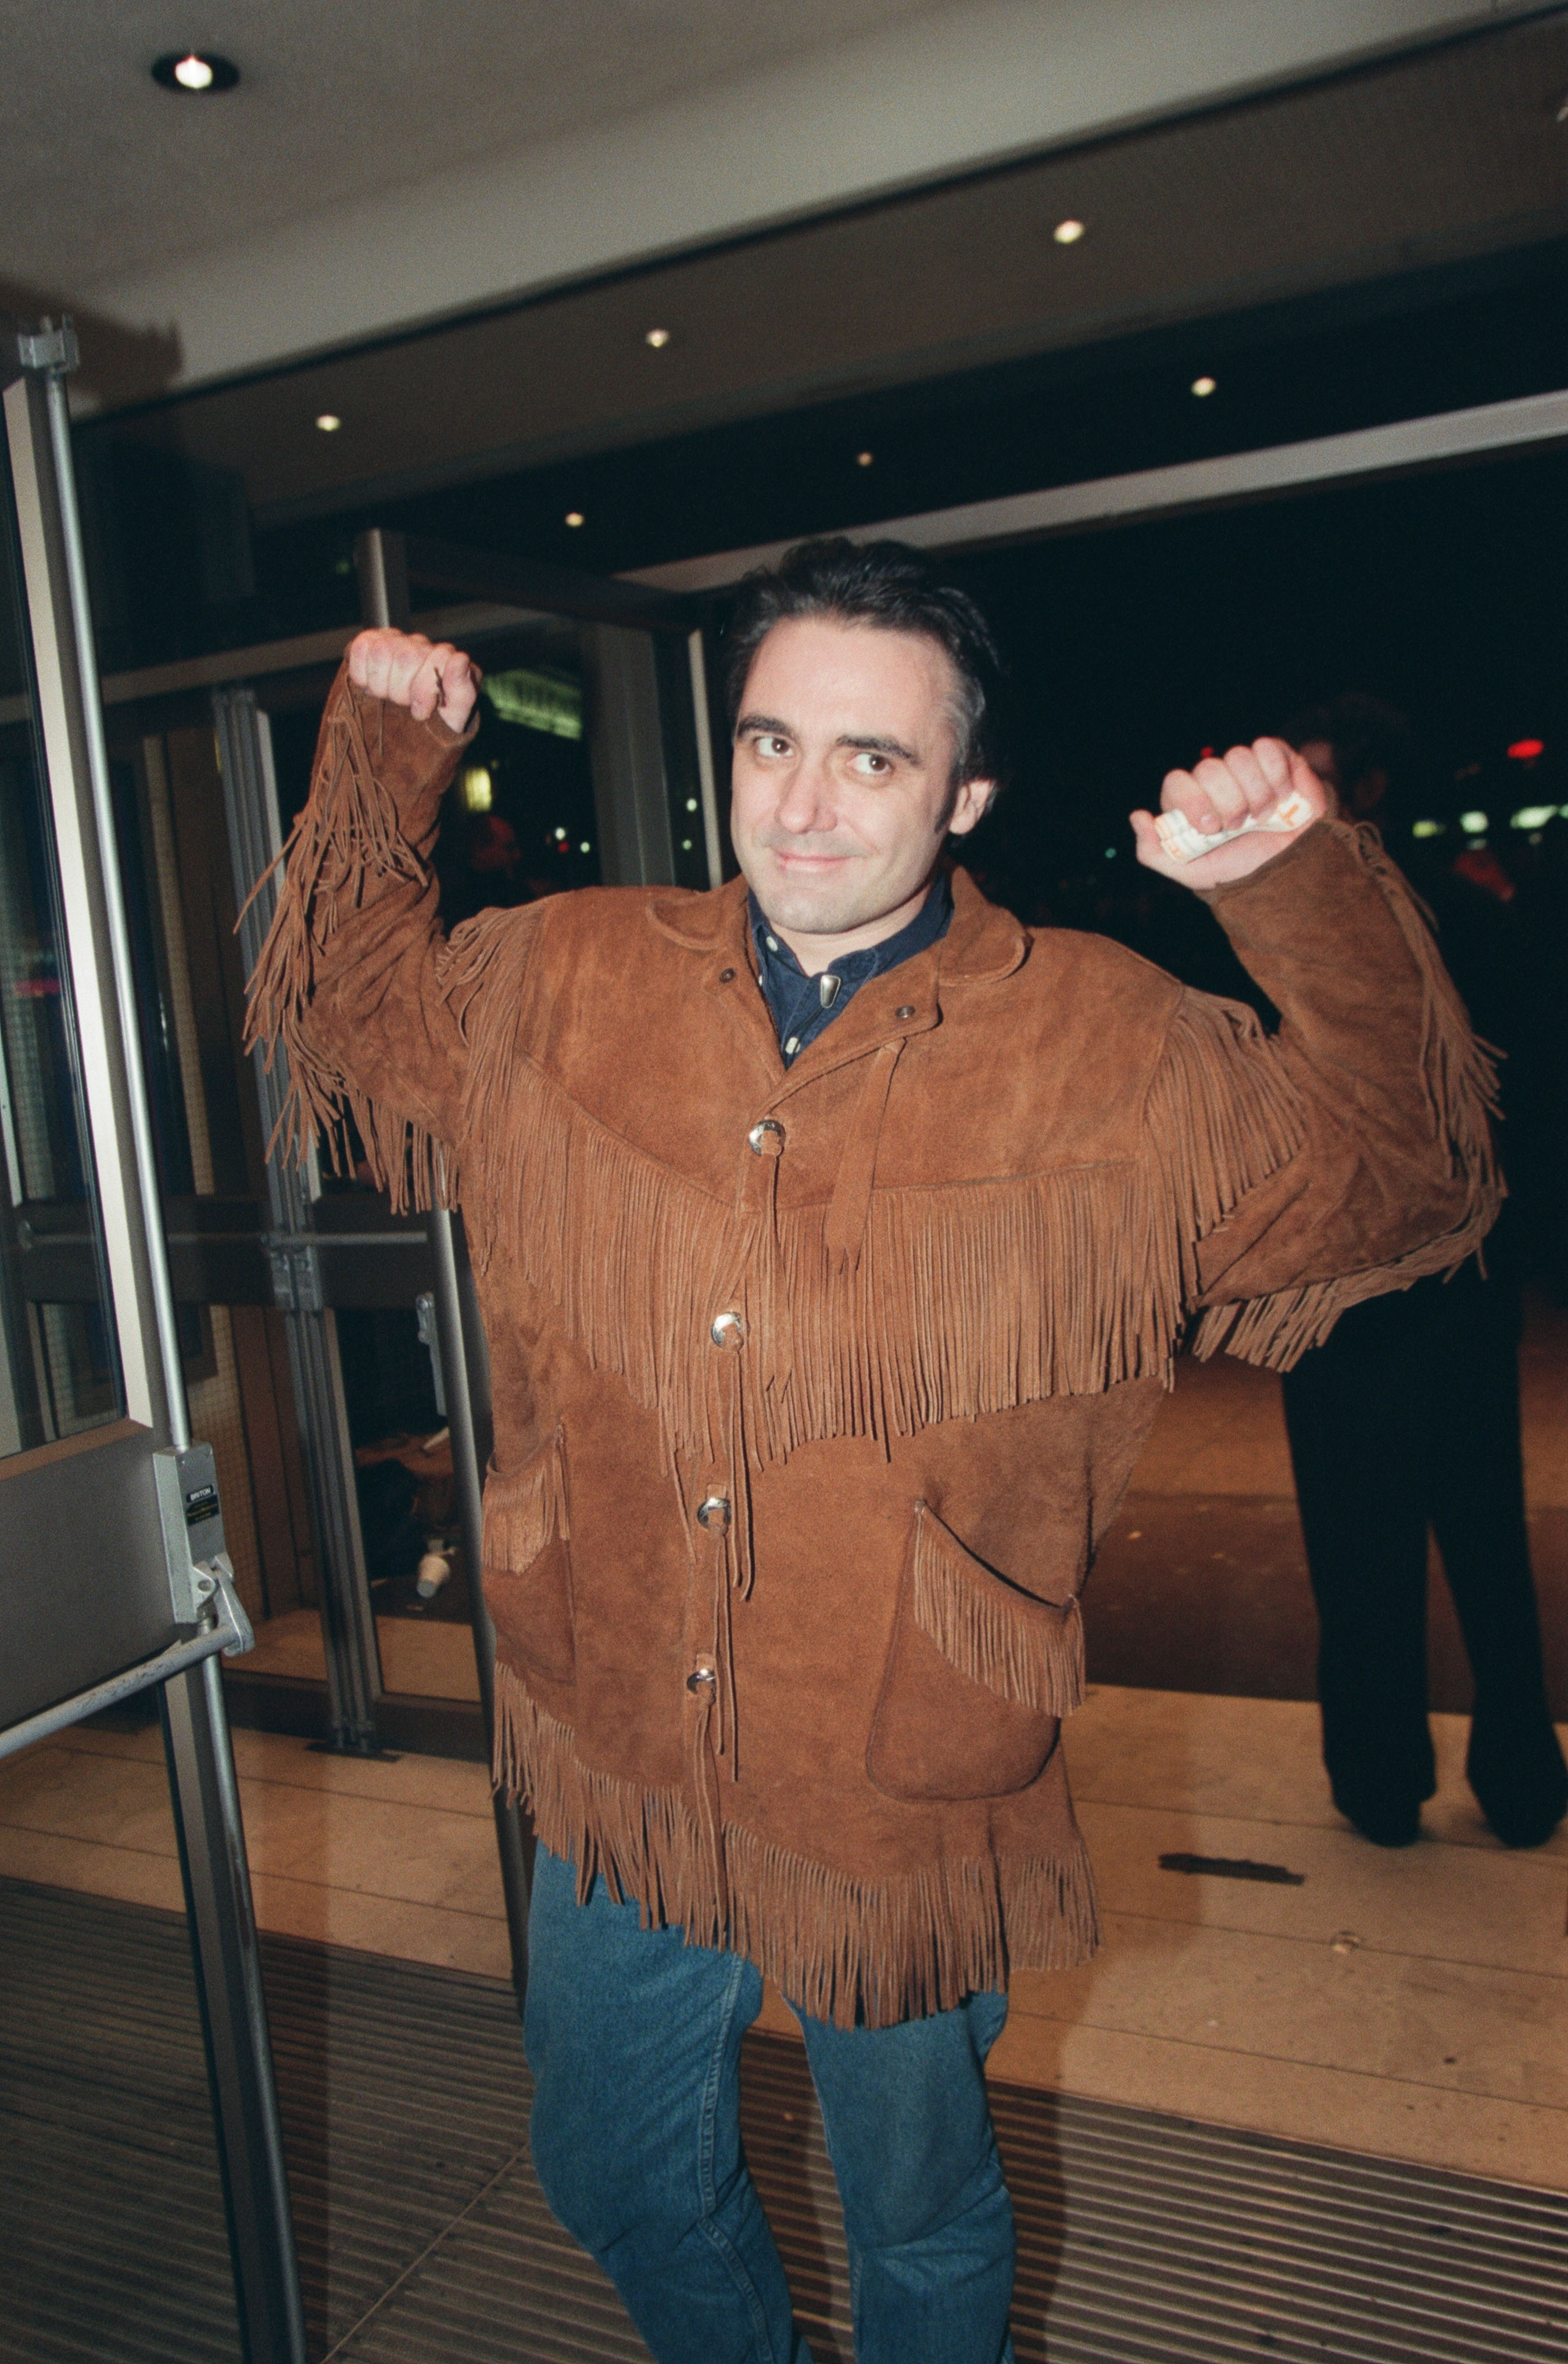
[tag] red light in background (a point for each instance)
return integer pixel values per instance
(1524, 751)
(1202, 751)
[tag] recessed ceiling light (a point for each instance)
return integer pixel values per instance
(1202, 385)
(657, 338)
(1068, 233)
(329, 422)
(864, 459)
(197, 72)
(574, 516)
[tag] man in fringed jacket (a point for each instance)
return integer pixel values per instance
(835, 1233)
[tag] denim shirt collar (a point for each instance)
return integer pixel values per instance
(801, 1005)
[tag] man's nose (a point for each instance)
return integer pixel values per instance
(806, 806)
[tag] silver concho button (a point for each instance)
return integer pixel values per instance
(714, 1512)
(767, 1135)
(727, 1330)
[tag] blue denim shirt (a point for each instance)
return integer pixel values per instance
(802, 1004)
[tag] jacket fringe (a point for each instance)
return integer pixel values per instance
(964, 1299)
(858, 1952)
(1458, 1082)
(349, 833)
(1021, 1647)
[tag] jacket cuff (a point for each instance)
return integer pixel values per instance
(1318, 852)
(412, 762)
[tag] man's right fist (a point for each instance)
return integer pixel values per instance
(428, 678)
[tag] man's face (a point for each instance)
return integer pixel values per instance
(843, 778)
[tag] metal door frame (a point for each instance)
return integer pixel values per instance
(210, 1830)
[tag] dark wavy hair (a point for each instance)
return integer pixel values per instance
(890, 586)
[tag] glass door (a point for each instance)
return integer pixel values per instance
(328, 1348)
(592, 765)
(114, 1578)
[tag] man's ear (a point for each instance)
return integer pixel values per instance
(971, 805)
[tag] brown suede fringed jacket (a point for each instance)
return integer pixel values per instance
(815, 1389)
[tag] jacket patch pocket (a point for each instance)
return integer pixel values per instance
(528, 1566)
(978, 1675)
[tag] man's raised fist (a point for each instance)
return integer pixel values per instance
(407, 670)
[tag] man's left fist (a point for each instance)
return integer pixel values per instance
(1249, 783)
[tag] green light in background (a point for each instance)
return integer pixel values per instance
(551, 702)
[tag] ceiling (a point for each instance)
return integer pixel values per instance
(103, 173)
(1452, 152)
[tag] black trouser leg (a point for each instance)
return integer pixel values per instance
(1478, 1513)
(1355, 1426)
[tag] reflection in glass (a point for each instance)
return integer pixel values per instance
(58, 1371)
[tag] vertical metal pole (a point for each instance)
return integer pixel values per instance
(234, 2017)
(381, 564)
(466, 1369)
(350, 1645)
(626, 753)
(464, 1362)
(708, 786)
(201, 1768)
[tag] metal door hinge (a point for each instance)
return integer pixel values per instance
(230, 1608)
(295, 1271)
(201, 1574)
(50, 346)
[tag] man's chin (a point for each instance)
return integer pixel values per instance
(822, 911)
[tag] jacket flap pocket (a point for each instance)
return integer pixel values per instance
(526, 1511)
(528, 1566)
(1020, 1647)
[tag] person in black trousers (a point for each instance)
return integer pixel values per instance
(1407, 1419)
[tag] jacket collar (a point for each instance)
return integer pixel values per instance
(982, 943)
(702, 923)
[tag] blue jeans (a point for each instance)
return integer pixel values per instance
(634, 2041)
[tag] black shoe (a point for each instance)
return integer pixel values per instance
(1388, 1822)
(1521, 1782)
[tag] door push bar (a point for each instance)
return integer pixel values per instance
(202, 1595)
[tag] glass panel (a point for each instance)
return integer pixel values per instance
(518, 822)
(59, 1371)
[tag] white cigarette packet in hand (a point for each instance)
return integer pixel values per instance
(1182, 843)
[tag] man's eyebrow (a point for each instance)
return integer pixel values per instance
(879, 746)
(872, 741)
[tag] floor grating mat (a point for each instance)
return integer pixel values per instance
(423, 2237)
